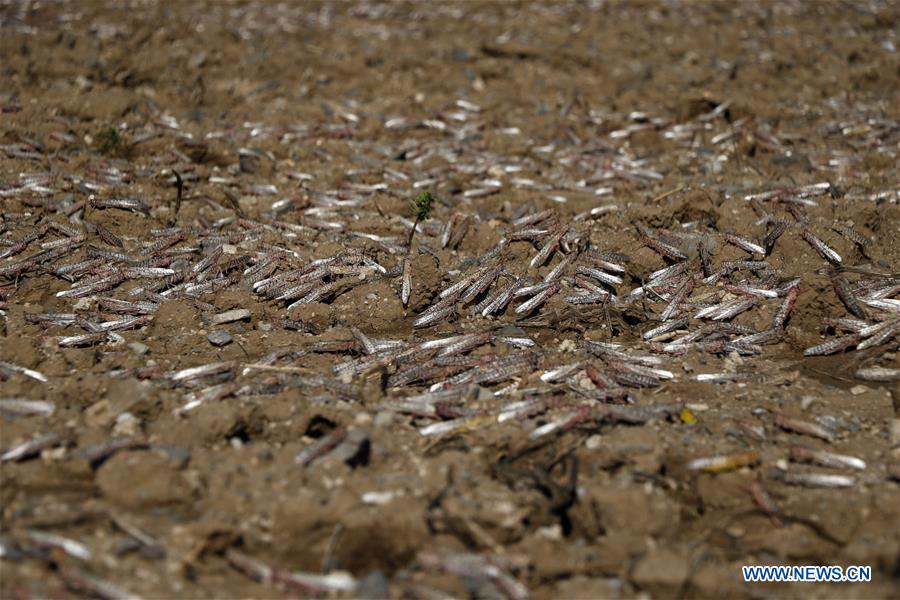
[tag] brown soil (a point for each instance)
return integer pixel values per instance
(108, 100)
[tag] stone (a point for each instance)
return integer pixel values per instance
(383, 419)
(230, 316)
(99, 414)
(219, 338)
(127, 425)
(139, 348)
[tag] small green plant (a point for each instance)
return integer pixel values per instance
(421, 207)
(109, 141)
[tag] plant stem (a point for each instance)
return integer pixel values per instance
(412, 232)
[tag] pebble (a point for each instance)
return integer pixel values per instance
(219, 338)
(197, 60)
(736, 531)
(230, 315)
(567, 346)
(383, 419)
(84, 84)
(551, 532)
(127, 425)
(378, 498)
(99, 414)
(139, 348)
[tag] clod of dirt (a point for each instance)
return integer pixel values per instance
(137, 480)
(662, 572)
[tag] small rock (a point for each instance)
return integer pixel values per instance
(99, 414)
(84, 84)
(84, 303)
(197, 60)
(139, 348)
(831, 422)
(127, 425)
(551, 532)
(50, 454)
(567, 346)
(383, 419)
(378, 498)
(593, 442)
(219, 338)
(264, 327)
(736, 531)
(230, 316)
(856, 390)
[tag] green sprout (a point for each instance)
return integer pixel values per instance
(109, 141)
(421, 207)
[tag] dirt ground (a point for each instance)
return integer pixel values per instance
(336, 443)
